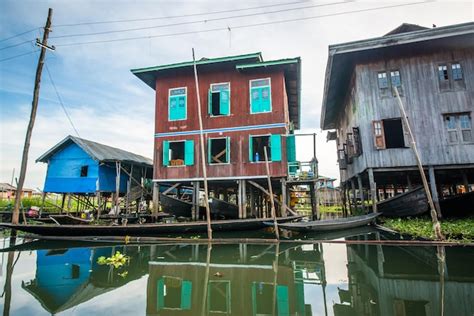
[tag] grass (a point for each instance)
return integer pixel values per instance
(454, 229)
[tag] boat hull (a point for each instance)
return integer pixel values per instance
(330, 224)
(457, 206)
(179, 208)
(145, 229)
(223, 209)
(411, 203)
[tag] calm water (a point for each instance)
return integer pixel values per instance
(237, 279)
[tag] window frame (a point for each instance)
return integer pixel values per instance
(459, 70)
(185, 105)
(458, 128)
(184, 154)
(230, 93)
(270, 94)
(86, 173)
(379, 79)
(269, 144)
(227, 139)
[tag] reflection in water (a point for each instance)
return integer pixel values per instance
(250, 279)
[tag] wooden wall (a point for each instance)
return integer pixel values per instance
(425, 105)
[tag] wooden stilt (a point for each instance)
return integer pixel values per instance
(314, 210)
(409, 185)
(373, 189)
(240, 199)
(284, 197)
(465, 183)
(253, 207)
(43, 197)
(156, 198)
(195, 213)
(354, 198)
(244, 199)
(117, 188)
(270, 189)
(361, 191)
(434, 189)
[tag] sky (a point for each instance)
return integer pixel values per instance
(109, 105)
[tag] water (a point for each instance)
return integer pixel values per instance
(238, 279)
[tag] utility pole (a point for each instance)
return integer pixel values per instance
(34, 107)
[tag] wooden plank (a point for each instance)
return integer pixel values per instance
(258, 186)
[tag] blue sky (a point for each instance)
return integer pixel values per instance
(108, 104)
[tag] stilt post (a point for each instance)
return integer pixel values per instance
(270, 189)
(373, 190)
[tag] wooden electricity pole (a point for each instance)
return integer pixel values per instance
(34, 107)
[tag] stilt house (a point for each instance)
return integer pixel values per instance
(247, 105)
(433, 69)
(83, 168)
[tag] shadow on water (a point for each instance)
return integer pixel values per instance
(244, 279)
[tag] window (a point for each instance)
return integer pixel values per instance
(260, 96)
(219, 297)
(341, 158)
(395, 78)
(263, 298)
(458, 127)
(177, 104)
(257, 146)
(350, 147)
(388, 134)
(382, 79)
(173, 293)
(218, 150)
(219, 99)
(84, 171)
(450, 77)
(357, 141)
(178, 153)
(457, 71)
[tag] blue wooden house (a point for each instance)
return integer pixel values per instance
(82, 167)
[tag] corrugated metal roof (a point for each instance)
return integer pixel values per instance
(99, 152)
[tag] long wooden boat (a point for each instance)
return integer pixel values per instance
(145, 229)
(411, 203)
(177, 207)
(62, 219)
(329, 224)
(458, 205)
(223, 209)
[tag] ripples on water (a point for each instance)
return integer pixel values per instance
(238, 279)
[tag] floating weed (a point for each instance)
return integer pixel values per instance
(118, 260)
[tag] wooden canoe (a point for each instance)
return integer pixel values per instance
(329, 224)
(179, 208)
(411, 203)
(458, 205)
(223, 210)
(145, 229)
(62, 219)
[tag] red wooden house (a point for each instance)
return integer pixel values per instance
(247, 104)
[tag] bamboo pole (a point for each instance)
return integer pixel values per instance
(433, 212)
(258, 186)
(203, 156)
(270, 189)
(29, 131)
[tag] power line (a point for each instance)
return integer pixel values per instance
(16, 56)
(240, 26)
(15, 45)
(183, 15)
(20, 34)
(61, 101)
(200, 21)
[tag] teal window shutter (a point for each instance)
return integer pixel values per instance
(186, 294)
(291, 148)
(224, 102)
(209, 146)
(275, 144)
(182, 107)
(266, 99)
(282, 300)
(209, 102)
(166, 153)
(227, 153)
(255, 100)
(251, 148)
(173, 108)
(189, 152)
(254, 298)
(177, 104)
(160, 293)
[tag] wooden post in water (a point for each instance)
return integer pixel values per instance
(203, 155)
(433, 212)
(29, 131)
(373, 189)
(270, 189)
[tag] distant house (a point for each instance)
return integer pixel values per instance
(433, 69)
(328, 193)
(8, 191)
(83, 167)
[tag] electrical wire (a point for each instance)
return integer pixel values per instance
(199, 21)
(17, 44)
(226, 28)
(181, 16)
(16, 56)
(20, 34)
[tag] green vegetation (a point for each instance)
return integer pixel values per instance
(453, 229)
(117, 261)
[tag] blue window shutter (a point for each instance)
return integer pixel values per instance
(255, 100)
(182, 107)
(166, 153)
(186, 294)
(266, 99)
(250, 148)
(189, 152)
(275, 143)
(224, 96)
(160, 293)
(227, 153)
(282, 300)
(173, 108)
(209, 102)
(209, 146)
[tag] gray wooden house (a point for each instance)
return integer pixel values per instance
(433, 68)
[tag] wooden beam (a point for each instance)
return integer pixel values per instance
(174, 186)
(258, 186)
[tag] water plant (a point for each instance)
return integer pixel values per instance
(117, 260)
